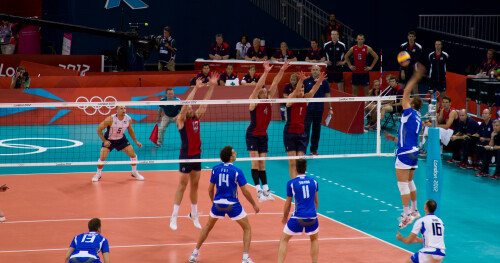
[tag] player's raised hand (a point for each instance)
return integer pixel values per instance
(321, 77)
(285, 65)
(267, 67)
(214, 77)
(420, 69)
(199, 82)
(302, 75)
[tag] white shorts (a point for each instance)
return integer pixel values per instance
(428, 255)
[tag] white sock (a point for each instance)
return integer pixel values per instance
(134, 168)
(99, 170)
(258, 188)
(194, 209)
(245, 255)
(414, 205)
(406, 210)
(265, 187)
(195, 250)
(176, 210)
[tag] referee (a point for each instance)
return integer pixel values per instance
(170, 114)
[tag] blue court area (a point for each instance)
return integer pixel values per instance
(359, 192)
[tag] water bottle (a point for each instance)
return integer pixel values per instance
(492, 74)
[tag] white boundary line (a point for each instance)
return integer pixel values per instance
(191, 244)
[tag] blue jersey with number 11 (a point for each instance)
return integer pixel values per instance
(227, 177)
(303, 189)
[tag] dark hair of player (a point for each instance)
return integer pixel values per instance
(301, 166)
(94, 224)
(226, 153)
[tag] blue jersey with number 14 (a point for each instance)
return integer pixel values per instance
(227, 177)
(303, 189)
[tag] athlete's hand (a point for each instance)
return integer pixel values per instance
(340, 63)
(368, 68)
(284, 220)
(329, 63)
(353, 68)
(214, 77)
(388, 136)
(285, 65)
(267, 68)
(302, 75)
(138, 144)
(107, 143)
(321, 77)
(399, 236)
(3, 188)
(256, 208)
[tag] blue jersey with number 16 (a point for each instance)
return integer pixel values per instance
(227, 177)
(303, 189)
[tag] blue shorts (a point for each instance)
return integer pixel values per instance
(296, 226)
(257, 143)
(295, 142)
(188, 167)
(117, 144)
(406, 159)
(234, 211)
(362, 79)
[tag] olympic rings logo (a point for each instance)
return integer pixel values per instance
(37, 148)
(97, 108)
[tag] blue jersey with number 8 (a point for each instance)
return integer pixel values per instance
(303, 189)
(227, 177)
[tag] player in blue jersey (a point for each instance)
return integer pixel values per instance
(407, 152)
(432, 229)
(86, 247)
(227, 178)
(304, 190)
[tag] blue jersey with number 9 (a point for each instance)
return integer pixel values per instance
(227, 177)
(303, 189)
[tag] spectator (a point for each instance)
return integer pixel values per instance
(168, 49)
(3, 188)
(314, 113)
(437, 69)
(415, 50)
(256, 53)
(289, 87)
(170, 113)
(389, 106)
(242, 47)
(315, 54)
(86, 246)
(360, 69)
(219, 50)
(327, 29)
(335, 52)
(283, 54)
(251, 78)
(21, 79)
(464, 140)
(489, 63)
(9, 34)
(492, 149)
(204, 74)
(377, 90)
(484, 135)
(227, 75)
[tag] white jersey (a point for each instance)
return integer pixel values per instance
(432, 230)
(117, 129)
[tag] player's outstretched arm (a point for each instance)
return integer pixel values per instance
(277, 79)
(286, 209)
(302, 77)
(132, 135)
(249, 197)
(413, 82)
(213, 82)
(261, 82)
(211, 191)
(412, 238)
(181, 117)
(315, 88)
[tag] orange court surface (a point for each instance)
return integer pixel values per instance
(47, 210)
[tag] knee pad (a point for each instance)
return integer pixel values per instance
(100, 162)
(411, 186)
(404, 188)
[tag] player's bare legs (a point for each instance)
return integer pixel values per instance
(181, 188)
(102, 157)
(355, 90)
(283, 246)
(205, 231)
(403, 176)
(129, 150)
(194, 177)
(366, 89)
(314, 247)
(291, 164)
(247, 233)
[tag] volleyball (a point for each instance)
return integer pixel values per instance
(404, 58)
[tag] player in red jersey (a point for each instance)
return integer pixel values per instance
(294, 134)
(188, 123)
(360, 75)
(256, 136)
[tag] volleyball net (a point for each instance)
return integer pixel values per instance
(65, 134)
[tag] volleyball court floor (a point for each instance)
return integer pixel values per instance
(358, 201)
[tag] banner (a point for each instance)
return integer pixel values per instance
(81, 63)
(66, 46)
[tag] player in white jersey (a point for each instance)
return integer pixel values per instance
(114, 138)
(407, 152)
(227, 178)
(432, 229)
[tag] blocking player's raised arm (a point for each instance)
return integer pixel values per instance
(261, 82)
(413, 82)
(315, 88)
(203, 108)
(297, 89)
(277, 79)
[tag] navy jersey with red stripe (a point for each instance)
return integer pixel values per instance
(260, 119)
(295, 118)
(190, 137)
